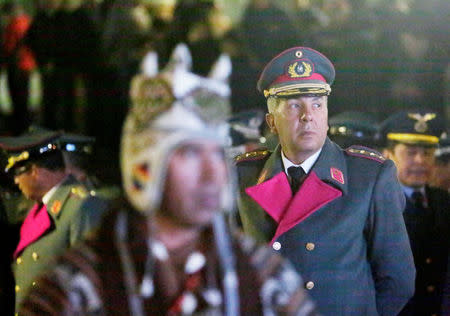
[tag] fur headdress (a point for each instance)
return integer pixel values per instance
(169, 108)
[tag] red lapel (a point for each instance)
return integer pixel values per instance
(312, 195)
(275, 197)
(34, 226)
(272, 195)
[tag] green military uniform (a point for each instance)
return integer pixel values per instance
(73, 212)
(61, 217)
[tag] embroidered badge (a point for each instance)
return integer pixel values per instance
(421, 124)
(300, 69)
(56, 207)
(337, 175)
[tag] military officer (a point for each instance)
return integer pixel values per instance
(63, 212)
(338, 218)
(411, 141)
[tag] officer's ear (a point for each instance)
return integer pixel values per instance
(271, 123)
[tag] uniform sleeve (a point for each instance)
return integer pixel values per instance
(389, 250)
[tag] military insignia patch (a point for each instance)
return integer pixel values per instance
(56, 207)
(421, 125)
(300, 69)
(337, 175)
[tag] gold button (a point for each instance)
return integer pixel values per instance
(19, 260)
(310, 246)
(35, 256)
(17, 288)
(430, 288)
(276, 245)
(428, 260)
(309, 285)
(33, 284)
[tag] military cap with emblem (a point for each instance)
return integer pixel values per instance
(415, 127)
(29, 147)
(353, 128)
(297, 71)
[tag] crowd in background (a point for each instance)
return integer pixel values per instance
(79, 56)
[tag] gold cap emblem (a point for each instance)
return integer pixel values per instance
(300, 69)
(421, 125)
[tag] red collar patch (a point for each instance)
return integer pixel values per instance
(337, 175)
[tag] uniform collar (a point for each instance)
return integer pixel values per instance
(330, 166)
(47, 196)
(409, 190)
(59, 196)
(306, 165)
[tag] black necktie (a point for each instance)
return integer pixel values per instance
(418, 199)
(297, 175)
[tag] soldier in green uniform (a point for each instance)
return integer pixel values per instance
(335, 214)
(412, 138)
(63, 212)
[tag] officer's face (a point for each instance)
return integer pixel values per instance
(301, 124)
(196, 177)
(26, 178)
(414, 163)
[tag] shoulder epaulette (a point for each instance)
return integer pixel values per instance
(79, 191)
(365, 152)
(251, 156)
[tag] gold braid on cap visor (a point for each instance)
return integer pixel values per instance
(413, 138)
(299, 88)
(15, 159)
